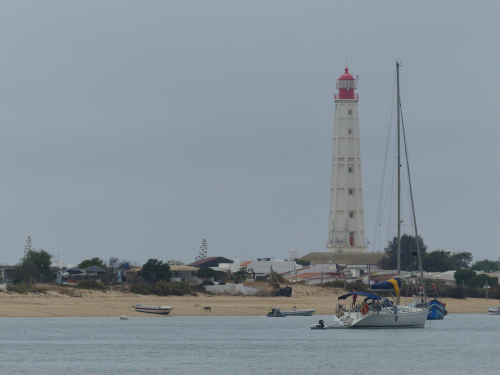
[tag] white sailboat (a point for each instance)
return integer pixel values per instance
(376, 311)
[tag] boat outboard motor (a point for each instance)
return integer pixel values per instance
(322, 323)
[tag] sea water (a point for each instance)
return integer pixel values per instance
(459, 344)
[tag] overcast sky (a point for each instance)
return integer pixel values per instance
(136, 129)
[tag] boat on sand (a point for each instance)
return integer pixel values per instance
(164, 310)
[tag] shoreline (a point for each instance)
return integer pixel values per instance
(114, 303)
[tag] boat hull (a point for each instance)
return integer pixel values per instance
(331, 325)
(412, 319)
(305, 312)
(162, 310)
(494, 310)
(437, 311)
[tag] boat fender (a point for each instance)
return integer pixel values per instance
(364, 309)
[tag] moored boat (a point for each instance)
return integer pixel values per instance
(275, 313)
(378, 312)
(494, 310)
(164, 310)
(299, 312)
(437, 310)
(331, 325)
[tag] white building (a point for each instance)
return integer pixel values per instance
(263, 266)
(346, 225)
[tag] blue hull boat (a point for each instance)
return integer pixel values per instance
(437, 310)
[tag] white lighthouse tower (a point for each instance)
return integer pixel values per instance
(346, 227)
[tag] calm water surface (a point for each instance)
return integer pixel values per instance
(460, 344)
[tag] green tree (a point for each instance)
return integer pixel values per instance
(155, 270)
(464, 276)
(486, 265)
(303, 263)
(437, 261)
(93, 262)
(409, 260)
(240, 276)
(35, 267)
(462, 260)
(113, 263)
(479, 281)
(206, 273)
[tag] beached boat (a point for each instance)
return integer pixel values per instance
(164, 310)
(299, 312)
(494, 310)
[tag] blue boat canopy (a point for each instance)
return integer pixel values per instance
(369, 295)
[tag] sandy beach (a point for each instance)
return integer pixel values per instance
(85, 303)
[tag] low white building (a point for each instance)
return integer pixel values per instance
(263, 266)
(447, 278)
(185, 274)
(233, 289)
(231, 267)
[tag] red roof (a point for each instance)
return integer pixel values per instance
(346, 75)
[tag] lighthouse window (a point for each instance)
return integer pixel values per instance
(349, 112)
(351, 215)
(349, 169)
(351, 191)
(349, 131)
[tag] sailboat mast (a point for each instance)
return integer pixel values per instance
(399, 173)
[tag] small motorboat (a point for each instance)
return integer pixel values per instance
(437, 310)
(299, 312)
(164, 310)
(332, 325)
(123, 317)
(275, 313)
(494, 310)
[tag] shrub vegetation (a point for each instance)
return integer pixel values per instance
(162, 288)
(92, 285)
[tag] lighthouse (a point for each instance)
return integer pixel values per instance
(346, 226)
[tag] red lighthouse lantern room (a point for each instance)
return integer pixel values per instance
(346, 85)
